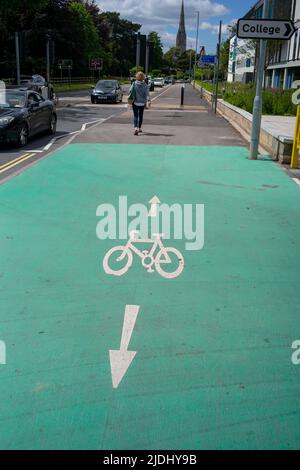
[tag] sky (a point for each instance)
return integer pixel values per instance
(163, 16)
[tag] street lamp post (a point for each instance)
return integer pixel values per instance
(197, 37)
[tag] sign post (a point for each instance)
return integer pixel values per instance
(217, 71)
(17, 43)
(264, 30)
(196, 51)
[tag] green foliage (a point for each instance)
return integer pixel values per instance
(157, 49)
(79, 30)
(85, 30)
(207, 86)
(16, 5)
(275, 102)
(156, 73)
(224, 55)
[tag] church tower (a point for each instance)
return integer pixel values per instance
(181, 35)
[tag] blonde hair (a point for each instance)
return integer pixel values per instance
(140, 76)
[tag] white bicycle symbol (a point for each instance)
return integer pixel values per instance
(149, 259)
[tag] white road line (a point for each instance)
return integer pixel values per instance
(297, 181)
(50, 144)
(162, 93)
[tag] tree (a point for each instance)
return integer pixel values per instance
(224, 58)
(79, 30)
(176, 61)
(157, 54)
(122, 42)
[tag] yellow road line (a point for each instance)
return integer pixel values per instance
(13, 163)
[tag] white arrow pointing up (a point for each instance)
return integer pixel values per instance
(121, 359)
(154, 205)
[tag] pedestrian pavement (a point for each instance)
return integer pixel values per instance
(280, 126)
(212, 368)
(167, 123)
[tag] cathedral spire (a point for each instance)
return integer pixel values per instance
(181, 35)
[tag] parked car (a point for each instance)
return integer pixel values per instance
(150, 82)
(23, 114)
(40, 85)
(159, 82)
(169, 81)
(107, 91)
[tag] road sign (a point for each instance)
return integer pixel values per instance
(208, 59)
(265, 29)
(96, 64)
(65, 64)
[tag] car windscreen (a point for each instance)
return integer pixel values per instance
(12, 99)
(106, 85)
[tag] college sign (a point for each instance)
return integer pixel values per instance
(265, 29)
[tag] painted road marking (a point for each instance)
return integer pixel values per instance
(15, 162)
(154, 205)
(83, 128)
(149, 259)
(297, 181)
(162, 93)
(120, 360)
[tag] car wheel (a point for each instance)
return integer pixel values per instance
(52, 125)
(23, 135)
(92, 100)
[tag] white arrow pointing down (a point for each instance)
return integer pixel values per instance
(120, 360)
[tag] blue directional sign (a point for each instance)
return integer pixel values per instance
(208, 59)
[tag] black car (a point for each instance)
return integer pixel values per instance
(23, 114)
(107, 91)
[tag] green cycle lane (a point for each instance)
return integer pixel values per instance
(213, 365)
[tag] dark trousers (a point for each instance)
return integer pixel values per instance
(138, 112)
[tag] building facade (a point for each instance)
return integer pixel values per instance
(181, 35)
(241, 65)
(283, 60)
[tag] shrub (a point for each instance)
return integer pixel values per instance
(276, 102)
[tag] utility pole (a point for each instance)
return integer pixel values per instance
(196, 52)
(138, 51)
(48, 61)
(257, 106)
(147, 57)
(18, 58)
(217, 70)
(190, 69)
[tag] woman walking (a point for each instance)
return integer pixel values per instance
(138, 97)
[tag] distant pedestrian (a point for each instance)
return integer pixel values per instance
(139, 97)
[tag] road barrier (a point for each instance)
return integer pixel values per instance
(296, 146)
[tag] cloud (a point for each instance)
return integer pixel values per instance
(214, 28)
(154, 14)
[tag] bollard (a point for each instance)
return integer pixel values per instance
(296, 146)
(182, 95)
